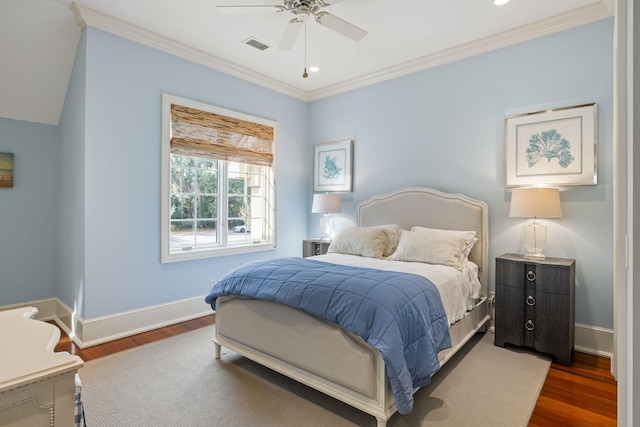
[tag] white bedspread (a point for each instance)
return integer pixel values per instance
(458, 289)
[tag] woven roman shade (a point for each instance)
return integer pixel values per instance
(217, 137)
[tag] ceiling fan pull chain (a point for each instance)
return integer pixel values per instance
(305, 74)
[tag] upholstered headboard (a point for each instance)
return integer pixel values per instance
(431, 208)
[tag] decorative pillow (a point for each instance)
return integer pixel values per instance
(469, 236)
(394, 238)
(431, 248)
(363, 241)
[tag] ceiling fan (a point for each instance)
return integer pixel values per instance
(302, 9)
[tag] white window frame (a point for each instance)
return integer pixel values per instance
(165, 221)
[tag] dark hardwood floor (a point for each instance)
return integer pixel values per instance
(582, 394)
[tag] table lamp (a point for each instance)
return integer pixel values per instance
(534, 203)
(326, 204)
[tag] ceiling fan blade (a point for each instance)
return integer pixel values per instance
(290, 34)
(324, 3)
(232, 10)
(340, 26)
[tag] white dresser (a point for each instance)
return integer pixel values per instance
(37, 385)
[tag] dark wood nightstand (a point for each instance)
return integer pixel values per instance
(313, 247)
(535, 304)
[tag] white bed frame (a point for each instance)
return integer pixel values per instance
(325, 356)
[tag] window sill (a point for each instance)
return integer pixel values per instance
(214, 253)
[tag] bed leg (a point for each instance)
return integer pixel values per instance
(381, 422)
(217, 350)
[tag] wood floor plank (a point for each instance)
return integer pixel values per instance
(556, 413)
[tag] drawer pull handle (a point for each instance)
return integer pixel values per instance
(529, 326)
(531, 301)
(531, 276)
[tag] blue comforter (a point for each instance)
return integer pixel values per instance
(399, 314)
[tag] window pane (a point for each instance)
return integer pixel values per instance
(176, 173)
(206, 163)
(178, 160)
(236, 207)
(182, 180)
(182, 207)
(206, 234)
(182, 235)
(206, 207)
(207, 181)
(257, 206)
(236, 186)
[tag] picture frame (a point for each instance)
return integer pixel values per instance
(555, 147)
(6, 170)
(332, 166)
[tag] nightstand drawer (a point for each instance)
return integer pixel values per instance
(547, 278)
(552, 306)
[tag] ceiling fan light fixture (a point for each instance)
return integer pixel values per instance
(500, 2)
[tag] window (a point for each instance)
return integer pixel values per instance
(218, 184)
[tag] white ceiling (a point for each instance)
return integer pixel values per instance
(38, 39)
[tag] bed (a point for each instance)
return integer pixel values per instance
(328, 357)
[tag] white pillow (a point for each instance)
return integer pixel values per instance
(431, 248)
(363, 241)
(469, 236)
(394, 238)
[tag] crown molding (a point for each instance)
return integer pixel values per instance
(86, 16)
(575, 18)
(565, 21)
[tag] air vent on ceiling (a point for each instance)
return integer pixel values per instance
(253, 42)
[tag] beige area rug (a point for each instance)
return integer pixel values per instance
(177, 382)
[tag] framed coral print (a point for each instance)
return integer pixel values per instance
(6, 170)
(332, 165)
(552, 148)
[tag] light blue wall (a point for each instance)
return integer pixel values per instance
(88, 191)
(123, 85)
(28, 212)
(443, 128)
(71, 243)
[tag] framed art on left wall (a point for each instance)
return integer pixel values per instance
(6, 169)
(332, 165)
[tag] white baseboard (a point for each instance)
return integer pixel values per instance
(120, 325)
(594, 340)
(89, 332)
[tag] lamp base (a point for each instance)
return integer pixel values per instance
(326, 224)
(535, 236)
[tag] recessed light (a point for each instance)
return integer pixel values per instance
(500, 2)
(314, 69)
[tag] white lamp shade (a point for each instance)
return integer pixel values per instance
(535, 203)
(326, 203)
